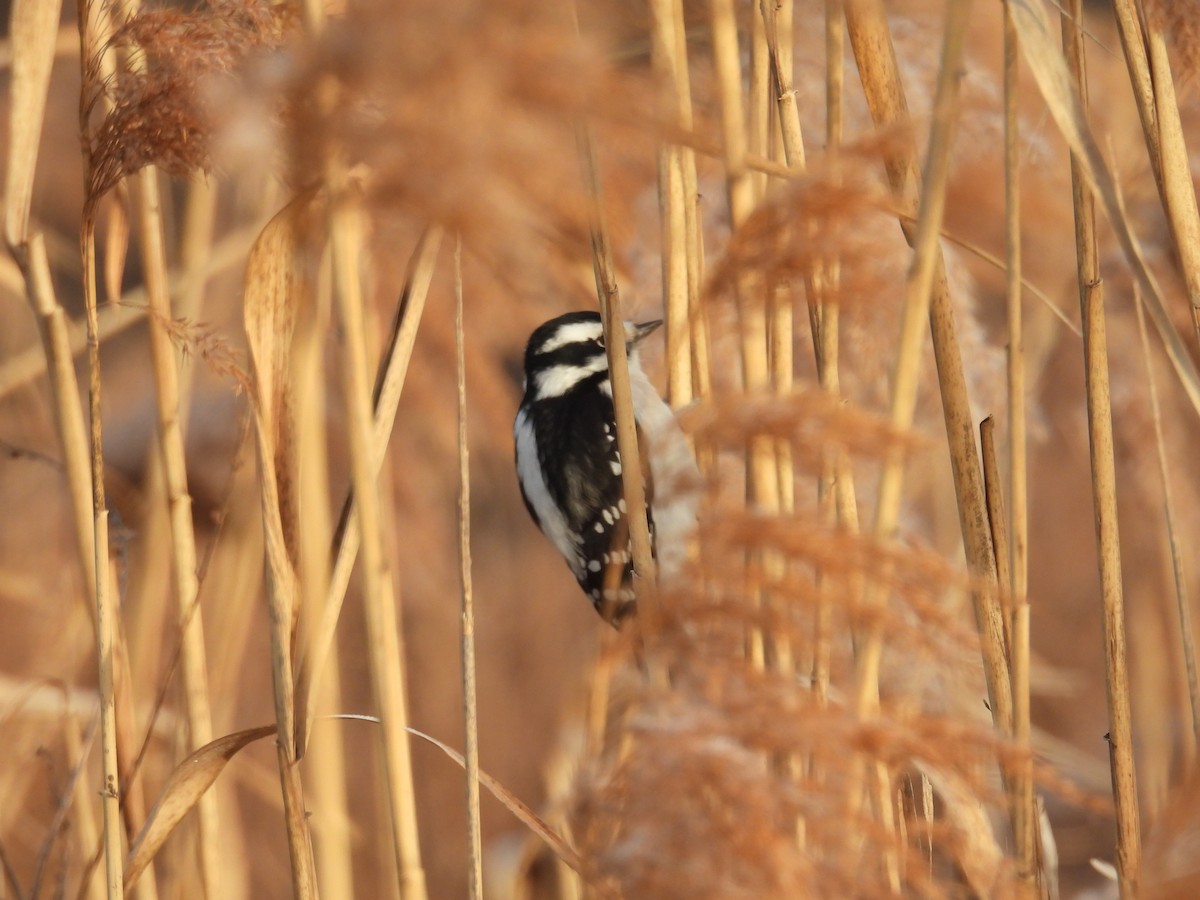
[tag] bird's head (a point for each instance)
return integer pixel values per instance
(568, 350)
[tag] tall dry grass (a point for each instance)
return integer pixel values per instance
(244, 494)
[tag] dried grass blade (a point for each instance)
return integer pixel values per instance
(190, 780)
(470, 708)
(1049, 70)
(524, 814)
(33, 33)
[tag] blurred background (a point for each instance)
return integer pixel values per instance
(475, 131)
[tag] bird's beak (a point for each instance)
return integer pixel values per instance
(635, 332)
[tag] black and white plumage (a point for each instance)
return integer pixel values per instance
(569, 467)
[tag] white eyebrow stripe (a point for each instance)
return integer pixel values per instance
(575, 333)
(558, 380)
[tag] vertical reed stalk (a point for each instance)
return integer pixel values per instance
(333, 849)
(618, 367)
(470, 706)
(105, 610)
(1025, 823)
(383, 642)
(759, 113)
(111, 790)
(672, 203)
(183, 540)
(837, 478)
(1104, 494)
(693, 226)
(762, 488)
(778, 29)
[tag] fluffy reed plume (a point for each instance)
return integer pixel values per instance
(725, 775)
(731, 780)
(158, 106)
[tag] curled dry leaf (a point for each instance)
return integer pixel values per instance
(183, 790)
(278, 289)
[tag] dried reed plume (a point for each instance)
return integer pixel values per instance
(157, 107)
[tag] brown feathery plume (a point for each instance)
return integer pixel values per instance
(159, 112)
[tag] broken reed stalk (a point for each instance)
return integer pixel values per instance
(1025, 820)
(1104, 495)
(393, 369)
(384, 648)
(193, 661)
(470, 705)
(618, 369)
(1183, 606)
